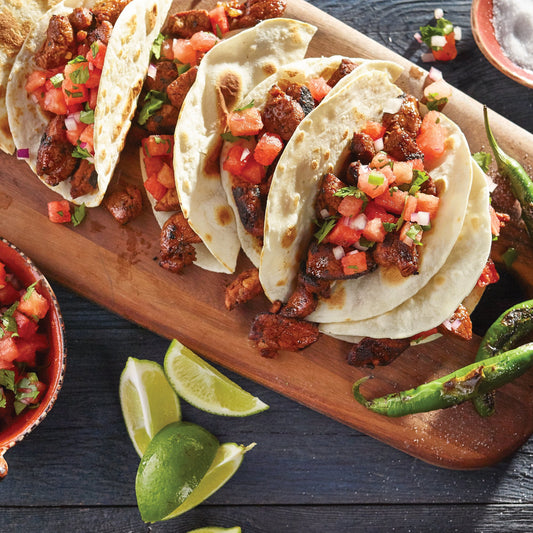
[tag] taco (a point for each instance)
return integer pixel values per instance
(196, 92)
(263, 124)
(365, 209)
(73, 89)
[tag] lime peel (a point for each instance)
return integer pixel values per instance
(235, 529)
(204, 387)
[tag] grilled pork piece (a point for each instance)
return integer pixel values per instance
(124, 204)
(163, 121)
(326, 199)
(243, 289)
(250, 204)
(109, 10)
(459, 324)
(165, 73)
(255, 11)
(302, 95)
(281, 113)
(393, 252)
(376, 352)
(346, 66)
(303, 301)
(178, 89)
(362, 148)
(185, 24)
(60, 44)
(84, 180)
(169, 202)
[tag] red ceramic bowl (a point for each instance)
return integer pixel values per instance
(483, 31)
(23, 268)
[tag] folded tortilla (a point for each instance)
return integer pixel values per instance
(123, 73)
(227, 72)
(321, 146)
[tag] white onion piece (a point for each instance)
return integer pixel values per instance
(34, 98)
(359, 222)
(421, 217)
(152, 71)
(324, 213)
(338, 252)
(360, 247)
(378, 144)
(427, 57)
(418, 37)
(392, 105)
(438, 13)
(245, 154)
(72, 121)
(458, 33)
(434, 74)
(438, 41)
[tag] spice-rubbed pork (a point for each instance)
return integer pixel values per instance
(124, 204)
(243, 289)
(394, 252)
(281, 114)
(376, 352)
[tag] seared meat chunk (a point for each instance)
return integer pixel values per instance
(250, 204)
(243, 288)
(178, 89)
(401, 145)
(176, 243)
(81, 18)
(393, 252)
(169, 202)
(59, 46)
(303, 301)
(124, 204)
(273, 332)
(459, 324)
(407, 117)
(165, 73)
(362, 148)
(84, 180)
(256, 10)
(185, 24)
(376, 352)
(54, 158)
(163, 121)
(101, 32)
(346, 66)
(326, 199)
(109, 10)
(352, 173)
(281, 113)
(302, 95)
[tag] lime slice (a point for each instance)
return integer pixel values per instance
(226, 462)
(148, 401)
(201, 385)
(173, 465)
(235, 529)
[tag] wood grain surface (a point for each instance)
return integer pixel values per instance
(117, 268)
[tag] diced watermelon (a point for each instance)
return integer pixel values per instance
(156, 189)
(429, 203)
(448, 51)
(343, 234)
(253, 171)
(236, 159)
(97, 60)
(403, 172)
(375, 130)
(350, 206)
(33, 304)
(219, 20)
(8, 349)
(54, 101)
(432, 137)
(354, 263)
(26, 327)
(409, 207)
(380, 160)
(87, 136)
(158, 145)
(203, 41)
(373, 210)
(319, 88)
(267, 149)
(152, 165)
(374, 230)
(59, 211)
(246, 122)
(35, 80)
(75, 92)
(166, 176)
(392, 201)
(183, 51)
(372, 182)
(8, 295)
(28, 348)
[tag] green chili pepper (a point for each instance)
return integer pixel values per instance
(455, 388)
(505, 332)
(520, 182)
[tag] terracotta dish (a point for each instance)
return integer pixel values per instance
(53, 373)
(483, 31)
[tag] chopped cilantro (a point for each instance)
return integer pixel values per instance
(7, 321)
(443, 27)
(87, 116)
(483, 159)
(78, 59)
(79, 214)
(26, 392)
(434, 102)
(247, 106)
(57, 80)
(80, 153)
(183, 68)
(218, 32)
(153, 101)
(3, 401)
(228, 136)
(510, 256)
(413, 231)
(419, 177)
(29, 291)
(95, 48)
(352, 191)
(7, 379)
(389, 226)
(77, 94)
(156, 46)
(366, 243)
(325, 228)
(80, 75)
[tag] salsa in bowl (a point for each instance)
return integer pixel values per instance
(32, 348)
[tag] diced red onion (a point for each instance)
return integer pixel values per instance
(434, 74)
(152, 71)
(378, 144)
(438, 13)
(438, 41)
(338, 252)
(458, 33)
(392, 105)
(83, 145)
(23, 153)
(418, 37)
(421, 217)
(427, 57)
(72, 121)
(324, 213)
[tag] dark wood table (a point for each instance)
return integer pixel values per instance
(76, 471)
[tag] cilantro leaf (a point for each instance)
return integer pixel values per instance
(483, 159)
(81, 153)
(7, 379)
(3, 401)
(247, 106)
(325, 228)
(155, 51)
(153, 101)
(419, 178)
(29, 291)
(389, 226)
(79, 214)
(80, 75)
(183, 68)
(228, 136)
(8, 324)
(434, 103)
(87, 116)
(94, 48)
(412, 233)
(57, 80)
(78, 59)
(352, 191)
(443, 27)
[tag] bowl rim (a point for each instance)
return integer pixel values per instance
(57, 329)
(481, 14)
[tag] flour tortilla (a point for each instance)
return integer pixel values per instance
(297, 72)
(125, 67)
(439, 298)
(321, 146)
(227, 72)
(16, 21)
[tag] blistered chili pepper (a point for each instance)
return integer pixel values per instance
(521, 184)
(455, 388)
(511, 326)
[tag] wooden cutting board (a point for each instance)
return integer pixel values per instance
(117, 267)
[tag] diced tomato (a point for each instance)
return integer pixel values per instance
(157, 145)
(343, 234)
(432, 137)
(8, 349)
(38, 97)
(392, 201)
(98, 60)
(374, 230)
(93, 97)
(319, 88)
(489, 274)
(354, 263)
(403, 172)
(203, 41)
(166, 176)
(152, 165)
(26, 327)
(409, 207)
(35, 80)
(253, 171)
(94, 78)
(54, 101)
(75, 108)
(83, 49)
(74, 91)
(8, 294)
(29, 347)
(372, 182)
(245, 122)
(350, 206)
(59, 211)
(33, 305)
(376, 130)
(429, 203)
(183, 51)
(373, 210)
(236, 159)
(448, 51)
(380, 160)
(87, 136)
(73, 135)
(267, 149)
(3, 281)
(494, 222)
(219, 20)
(156, 189)
(417, 164)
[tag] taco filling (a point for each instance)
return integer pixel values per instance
(65, 85)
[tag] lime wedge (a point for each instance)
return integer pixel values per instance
(201, 385)
(235, 529)
(226, 462)
(148, 401)
(173, 465)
